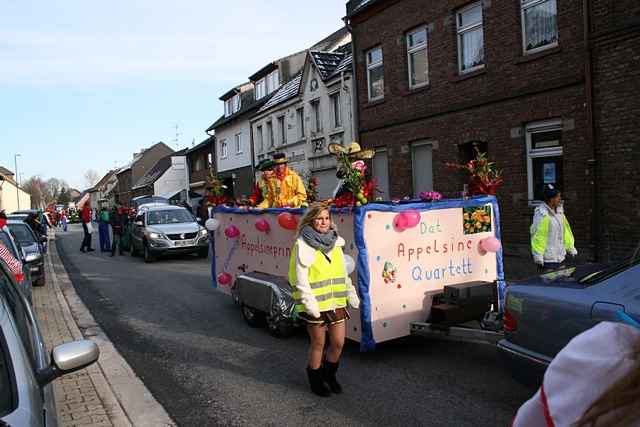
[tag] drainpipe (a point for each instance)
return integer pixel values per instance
(355, 125)
(593, 162)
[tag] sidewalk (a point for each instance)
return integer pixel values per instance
(107, 393)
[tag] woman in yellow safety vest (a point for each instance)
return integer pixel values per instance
(551, 236)
(322, 290)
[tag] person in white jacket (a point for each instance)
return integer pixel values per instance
(551, 235)
(593, 381)
(322, 290)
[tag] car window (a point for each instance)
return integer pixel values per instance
(602, 275)
(22, 233)
(20, 313)
(4, 239)
(172, 216)
(7, 391)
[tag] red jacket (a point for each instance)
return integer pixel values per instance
(86, 214)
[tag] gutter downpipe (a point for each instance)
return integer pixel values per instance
(355, 122)
(593, 162)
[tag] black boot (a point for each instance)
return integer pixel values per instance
(317, 384)
(329, 375)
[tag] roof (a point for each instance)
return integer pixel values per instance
(230, 93)
(329, 42)
(354, 7)
(285, 93)
(248, 104)
(6, 172)
(209, 141)
(101, 184)
(330, 64)
(156, 171)
(262, 71)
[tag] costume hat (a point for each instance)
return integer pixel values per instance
(280, 158)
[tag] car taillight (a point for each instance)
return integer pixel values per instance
(19, 277)
(509, 323)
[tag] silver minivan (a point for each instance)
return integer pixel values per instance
(26, 369)
(167, 229)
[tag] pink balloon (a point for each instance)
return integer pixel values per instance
(224, 278)
(490, 244)
(412, 218)
(263, 225)
(400, 222)
(231, 231)
(287, 221)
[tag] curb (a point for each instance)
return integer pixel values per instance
(126, 399)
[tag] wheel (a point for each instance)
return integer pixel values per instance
(148, 258)
(203, 253)
(278, 325)
(253, 317)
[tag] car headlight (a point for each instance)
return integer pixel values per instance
(203, 232)
(156, 236)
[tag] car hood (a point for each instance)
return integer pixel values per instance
(566, 277)
(183, 227)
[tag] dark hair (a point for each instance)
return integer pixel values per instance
(550, 192)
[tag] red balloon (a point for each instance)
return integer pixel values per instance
(287, 221)
(400, 222)
(231, 231)
(412, 218)
(224, 278)
(263, 225)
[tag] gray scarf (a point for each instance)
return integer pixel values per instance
(319, 241)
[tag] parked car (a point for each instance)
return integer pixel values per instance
(544, 313)
(138, 202)
(165, 229)
(24, 279)
(26, 370)
(32, 245)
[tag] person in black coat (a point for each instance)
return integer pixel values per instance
(118, 222)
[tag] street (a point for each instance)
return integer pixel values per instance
(192, 349)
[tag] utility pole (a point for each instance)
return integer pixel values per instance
(15, 161)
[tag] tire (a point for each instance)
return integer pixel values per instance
(203, 253)
(148, 258)
(253, 317)
(277, 326)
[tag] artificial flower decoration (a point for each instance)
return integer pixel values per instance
(484, 177)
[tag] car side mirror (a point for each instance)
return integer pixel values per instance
(199, 220)
(67, 358)
(31, 258)
(138, 223)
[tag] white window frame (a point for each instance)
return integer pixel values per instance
(300, 122)
(260, 137)
(524, 5)
(272, 141)
(371, 66)
(223, 149)
(530, 129)
(415, 49)
(462, 30)
(227, 107)
(273, 81)
(336, 109)
(237, 101)
(238, 139)
(261, 88)
(282, 129)
(317, 115)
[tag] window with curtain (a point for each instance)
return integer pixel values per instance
(417, 57)
(470, 38)
(335, 110)
(539, 24)
(317, 119)
(422, 165)
(238, 143)
(282, 130)
(375, 74)
(300, 120)
(261, 88)
(223, 149)
(259, 138)
(270, 134)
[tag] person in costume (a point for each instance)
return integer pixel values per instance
(321, 290)
(551, 236)
(260, 196)
(286, 188)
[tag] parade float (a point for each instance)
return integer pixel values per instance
(419, 266)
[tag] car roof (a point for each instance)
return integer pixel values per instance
(161, 207)
(16, 222)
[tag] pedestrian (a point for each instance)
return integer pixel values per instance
(551, 236)
(118, 221)
(63, 220)
(593, 381)
(322, 290)
(103, 230)
(87, 228)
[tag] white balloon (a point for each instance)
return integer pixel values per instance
(212, 224)
(349, 264)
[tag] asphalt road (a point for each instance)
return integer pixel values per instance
(191, 347)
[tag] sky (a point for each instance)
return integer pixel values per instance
(84, 85)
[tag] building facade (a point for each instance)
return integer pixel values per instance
(168, 178)
(201, 161)
(12, 196)
(435, 81)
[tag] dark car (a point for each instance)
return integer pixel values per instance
(544, 313)
(32, 245)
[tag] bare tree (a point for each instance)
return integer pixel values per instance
(38, 191)
(91, 178)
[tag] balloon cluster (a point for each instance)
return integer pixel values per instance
(406, 219)
(287, 221)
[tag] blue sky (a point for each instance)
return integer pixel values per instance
(85, 84)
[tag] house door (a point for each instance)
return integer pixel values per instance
(422, 165)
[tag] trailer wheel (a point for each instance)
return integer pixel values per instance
(277, 325)
(253, 317)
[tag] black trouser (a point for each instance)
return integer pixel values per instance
(86, 240)
(117, 242)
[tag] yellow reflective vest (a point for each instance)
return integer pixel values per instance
(551, 236)
(327, 280)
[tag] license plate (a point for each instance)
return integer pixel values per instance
(190, 242)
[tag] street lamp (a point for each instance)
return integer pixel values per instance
(15, 160)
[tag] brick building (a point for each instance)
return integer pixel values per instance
(511, 77)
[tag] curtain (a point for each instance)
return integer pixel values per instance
(541, 24)
(472, 48)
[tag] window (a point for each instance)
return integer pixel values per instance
(300, 121)
(281, 130)
(539, 24)
(380, 172)
(236, 103)
(261, 88)
(470, 38)
(544, 156)
(259, 138)
(375, 74)
(232, 105)
(335, 110)
(223, 149)
(238, 143)
(422, 165)
(417, 58)
(317, 118)
(270, 134)
(273, 81)
(209, 160)
(197, 164)
(19, 308)
(228, 108)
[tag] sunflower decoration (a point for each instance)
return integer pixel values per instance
(356, 190)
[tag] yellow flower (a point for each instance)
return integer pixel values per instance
(467, 225)
(466, 216)
(478, 225)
